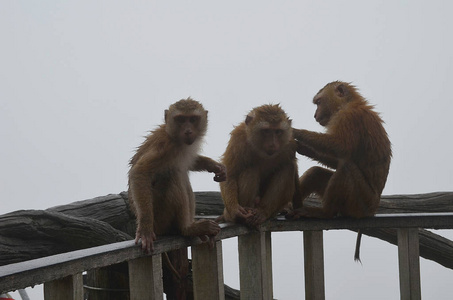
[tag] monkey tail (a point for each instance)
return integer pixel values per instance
(357, 247)
(167, 261)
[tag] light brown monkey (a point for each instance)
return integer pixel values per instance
(159, 188)
(262, 167)
(355, 144)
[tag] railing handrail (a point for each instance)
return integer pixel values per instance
(29, 273)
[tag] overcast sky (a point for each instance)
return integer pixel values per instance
(81, 83)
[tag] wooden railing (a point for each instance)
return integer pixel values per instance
(62, 273)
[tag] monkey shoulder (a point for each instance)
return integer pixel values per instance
(239, 133)
(237, 149)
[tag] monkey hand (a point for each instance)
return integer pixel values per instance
(220, 172)
(241, 214)
(208, 228)
(299, 134)
(147, 237)
(303, 149)
(214, 228)
(257, 219)
(297, 214)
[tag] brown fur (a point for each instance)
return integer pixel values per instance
(355, 144)
(261, 163)
(159, 188)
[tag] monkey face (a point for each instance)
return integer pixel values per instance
(326, 107)
(271, 140)
(186, 121)
(268, 130)
(322, 113)
(268, 139)
(188, 126)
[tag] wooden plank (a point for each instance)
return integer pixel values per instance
(432, 246)
(314, 265)
(420, 220)
(207, 266)
(255, 265)
(145, 278)
(69, 287)
(22, 239)
(32, 272)
(268, 264)
(409, 264)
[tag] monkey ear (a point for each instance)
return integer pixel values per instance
(248, 119)
(341, 91)
(166, 115)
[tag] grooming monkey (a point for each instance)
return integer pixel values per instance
(262, 167)
(159, 188)
(355, 145)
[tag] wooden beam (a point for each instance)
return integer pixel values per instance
(409, 264)
(255, 265)
(207, 266)
(69, 287)
(28, 273)
(145, 278)
(314, 265)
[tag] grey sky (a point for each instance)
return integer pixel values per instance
(81, 82)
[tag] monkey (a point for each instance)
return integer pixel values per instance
(355, 147)
(261, 167)
(160, 192)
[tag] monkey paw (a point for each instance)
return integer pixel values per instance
(256, 219)
(220, 173)
(210, 227)
(297, 214)
(147, 238)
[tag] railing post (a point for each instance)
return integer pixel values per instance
(69, 287)
(207, 267)
(314, 265)
(409, 263)
(255, 265)
(145, 278)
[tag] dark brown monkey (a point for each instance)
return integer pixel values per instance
(262, 167)
(355, 145)
(159, 189)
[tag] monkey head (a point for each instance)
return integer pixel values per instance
(268, 129)
(186, 121)
(332, 98)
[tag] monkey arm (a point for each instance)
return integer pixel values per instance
(326, 144)
(234, 211)
(328, 161)
(279, 192)
(229, 192)
(142, 199)
(204, 163)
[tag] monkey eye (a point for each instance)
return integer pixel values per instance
(266, 131)
(279, 132)
(194, 119)
(180, 119)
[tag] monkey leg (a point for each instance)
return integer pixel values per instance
(248, 187)
(237, 192)
(314, 180)
(240, 196)
(201, 228)
(278, 193)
